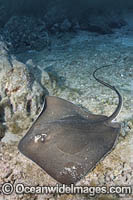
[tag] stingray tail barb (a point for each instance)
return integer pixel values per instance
(118, 108)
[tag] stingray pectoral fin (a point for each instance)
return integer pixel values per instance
(70, 148)
(57, 108)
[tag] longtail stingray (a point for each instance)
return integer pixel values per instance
(66, 141)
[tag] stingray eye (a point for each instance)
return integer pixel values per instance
(40, 137)
(43, 137)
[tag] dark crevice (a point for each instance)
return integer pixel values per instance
(28, 106)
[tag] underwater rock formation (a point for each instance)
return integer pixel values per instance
(2, 131)
(21, 96)
(26, 23)
(25, 33)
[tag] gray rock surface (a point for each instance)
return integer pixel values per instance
(25, 33)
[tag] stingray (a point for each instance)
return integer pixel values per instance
(66, 141)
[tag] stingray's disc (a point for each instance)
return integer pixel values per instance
(66, 142)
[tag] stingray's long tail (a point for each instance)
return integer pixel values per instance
(117, 110)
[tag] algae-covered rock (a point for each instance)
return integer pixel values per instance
(21, 96)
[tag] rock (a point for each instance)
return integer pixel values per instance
(2, 131)
(55, 28)
(21, 96)
(65, 26)
(25, 33)
(3, 15)
(116, 20)
(41, 76)
(99, 24)
(54, 15)
(76, 26)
